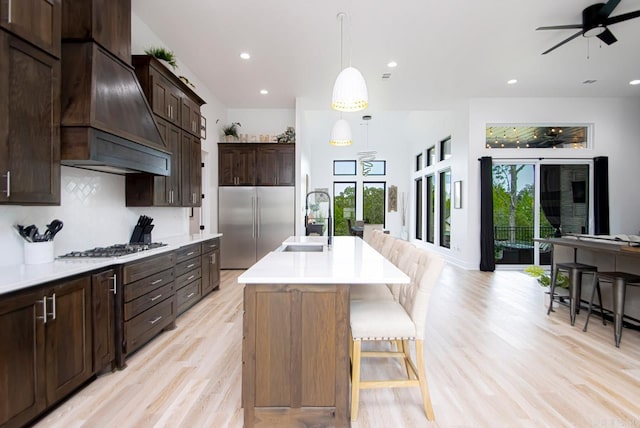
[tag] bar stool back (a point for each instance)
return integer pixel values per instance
(574, 271)
(619, 282)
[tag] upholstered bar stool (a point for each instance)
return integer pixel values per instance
(574, 271)
(619, 282)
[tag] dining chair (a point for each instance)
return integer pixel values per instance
(402, 322)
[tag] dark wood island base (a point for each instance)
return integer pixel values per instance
(295, 355)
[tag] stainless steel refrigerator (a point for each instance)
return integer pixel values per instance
(254, 221)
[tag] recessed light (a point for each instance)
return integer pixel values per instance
(635, 82)
(245, 55)
(392, 64)
(264, 91)
(512, 81)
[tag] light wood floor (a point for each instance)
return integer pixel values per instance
(493, 357)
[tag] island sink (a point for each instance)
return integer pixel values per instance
(298, 248)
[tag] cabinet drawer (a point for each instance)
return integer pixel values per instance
(142, 328)
(187, 296)
(187, 252)
(142, 303)
(146, 285)
(137, 270)
(210, 245)
(188, 277)
(187, 266)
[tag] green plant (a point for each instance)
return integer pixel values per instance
(231, 129)
(163, 54)
(538, 272)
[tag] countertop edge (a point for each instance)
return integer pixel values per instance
(19, 277)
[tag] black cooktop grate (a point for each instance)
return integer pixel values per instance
(117, 250)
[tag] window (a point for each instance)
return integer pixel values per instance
(344, 167)
(344, 206)
(373, 200)
(445, 208)
(431, 155)
(431, 208)
(378, 167)
(445, 148)
(537, 136)
(419, 208)
(419, 162)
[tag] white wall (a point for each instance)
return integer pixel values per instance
(616, 127)
(390, 133)
(260, 121)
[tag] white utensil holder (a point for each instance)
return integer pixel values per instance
(38, 252)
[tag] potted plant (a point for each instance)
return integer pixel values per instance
(164, 55)
(231, 131)
(562, 281)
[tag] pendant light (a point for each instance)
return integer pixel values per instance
(367, 156)
(341, 133)
(349, 90)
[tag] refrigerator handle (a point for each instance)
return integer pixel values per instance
(253, 219)
(258, 216)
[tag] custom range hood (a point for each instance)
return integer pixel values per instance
(106, 122)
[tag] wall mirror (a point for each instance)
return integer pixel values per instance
(538, 136)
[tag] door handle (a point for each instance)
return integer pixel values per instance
(115, 282)
(253, 220)
(44, 309)
(53, 306)
(258, 216)
(8, 177)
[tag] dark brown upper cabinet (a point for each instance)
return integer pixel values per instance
(266, 164)
(36, 21)
(29, 124)
(177, 112)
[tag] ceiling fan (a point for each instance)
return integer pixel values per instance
(595, 20)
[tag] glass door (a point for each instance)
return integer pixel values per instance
(513, 213)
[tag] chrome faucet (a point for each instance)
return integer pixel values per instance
(306, 216)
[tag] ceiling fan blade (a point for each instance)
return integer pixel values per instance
(623, 17)
(560, 27)
(606, 10)
(607, 37)
(563, 42)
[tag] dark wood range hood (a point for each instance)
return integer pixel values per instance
(106, 121)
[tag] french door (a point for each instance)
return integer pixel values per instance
(538, 199)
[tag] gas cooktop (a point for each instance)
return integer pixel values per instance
(117, 250)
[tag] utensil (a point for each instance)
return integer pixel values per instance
(52, 229)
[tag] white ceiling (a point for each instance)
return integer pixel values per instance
(445, 49)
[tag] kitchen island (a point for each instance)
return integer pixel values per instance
(296, 329)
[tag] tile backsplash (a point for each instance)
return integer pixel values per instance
(94, 214)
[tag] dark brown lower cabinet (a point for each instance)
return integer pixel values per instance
(104, 290)
(295, 355)
(210, 265)
(45, 347)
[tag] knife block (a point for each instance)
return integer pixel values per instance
(141, 235)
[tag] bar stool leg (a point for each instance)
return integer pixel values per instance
(619, 291)
(595, 279)
(575, 287)
(593, 292)
(552, 289)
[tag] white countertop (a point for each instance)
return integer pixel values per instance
(349, 261)
(13, 278)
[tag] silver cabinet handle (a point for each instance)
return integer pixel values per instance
(191, 277)
(191, 295)
(157, 281)
(53, 306)
(155, 320)
(190, 253)
(253, 221)
(153, 299)
(114, 278)
(9, 13)
(191, 265)
(44, 309)
(8, 177)
(169, 111)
